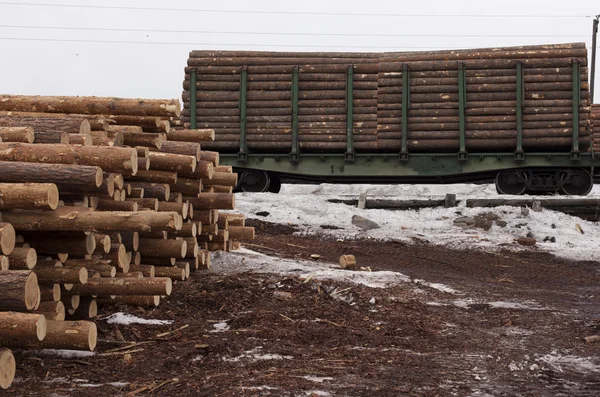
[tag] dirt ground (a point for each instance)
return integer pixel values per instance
(512, 324)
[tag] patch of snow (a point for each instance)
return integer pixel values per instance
(118, 384)
(221, 327)
(437, 286)
(320, 393)
(317, 379)
(66, 353)
(561, 363)
(528, 305)
(244, 260)
(91, 385)
(197, 358)
(127, 319)
(255, 355)
(258, 388)
(307, 207)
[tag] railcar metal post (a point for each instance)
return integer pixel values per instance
(405, 108)
(593, 71)
(575, 153)
(295, 154)
(243, 153)
(519, 153)
(349, 155)
(193, 100)
(462, 101)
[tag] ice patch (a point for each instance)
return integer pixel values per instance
(561, 363)
(66, 353)
(90, 384)
(127, 319)
(221, 327)
(317, 379)
(255, 355)
(437, 286)
(245, 260)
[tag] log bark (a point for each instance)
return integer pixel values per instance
(8, 368)
(147, 139)
(28, 196)
(188, 186)
(213, 157)
(111, 159)
(125, 286)
(102, 266)
(142, 121)
(88, 308)
(158, 191)
(145, 203)
(23, 258)
(136, 192)
(241, 232)
(113, 205)
(185, 148)
(82, 219)
(19, 290)
(91, 105)
(79, 139)
(131, 240)
(7, 238)
(148, 260)
(204, 170)
(181, 208)
(174, 273)
(21, 329)
(52, 310)
(136, 300)
(235, 219)
(208, 201)
(17, 134)
(196, 136)
(154, 176)
(61, 275)
(222, 179)
(160, 248)
(70, 335)
(189, 229)
(170, 162)
(77, 244)
(146, 270)
(50, 292)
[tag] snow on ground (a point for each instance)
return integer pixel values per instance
(307, 207)
(127, 319)
(256, 354)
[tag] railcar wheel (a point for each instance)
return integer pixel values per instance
(254, 181)
(511, 182)
(275, 185)
(578, 183)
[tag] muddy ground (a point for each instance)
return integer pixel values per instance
(509, 324)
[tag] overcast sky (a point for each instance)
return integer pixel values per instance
(110, 48)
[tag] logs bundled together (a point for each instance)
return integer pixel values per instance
(433, 119)
(595, 121)
(114, 220)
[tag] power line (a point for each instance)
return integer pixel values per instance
(292, 12)
(283, 33)
(218, 44)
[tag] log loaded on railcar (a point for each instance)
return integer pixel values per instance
(517, 115)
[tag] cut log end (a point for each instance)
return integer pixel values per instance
(347, 262)
(8, 238)
(8, 368)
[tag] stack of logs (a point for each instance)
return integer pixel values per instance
(595, 121)
(114, 216)
(433, 120)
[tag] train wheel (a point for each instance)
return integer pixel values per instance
(511, 182)
(254, 181)
(275, 185)
(579, 183)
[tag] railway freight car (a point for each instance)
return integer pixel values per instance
(516, 115)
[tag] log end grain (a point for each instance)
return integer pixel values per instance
(8, 367)
(347, 262)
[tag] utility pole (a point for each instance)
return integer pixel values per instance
(594, 45)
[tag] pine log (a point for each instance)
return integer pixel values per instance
(206, 201)
(103, 242)
(17, 134)
(205, 217)
(170, 162)
(158, 234)
(23, 258)
(181, 208)
(88, 308)
(347, 262)
(19, 290)
(147, 203)
(158, 191)
(47, 129)
(142, 151)
(136, 192)
(221, 236)
(52, 310)
(173, 273)
(8, 368)
(189, 229)
(124, 129)
(224, 168)
(196, 136)
(91, 105)
(160, 248)
(184, 148)
(50, 292)
(146, 270)
(112, 205)
(222, 179)
(204, 170)
(154, 176)
(76, 219)
(70, 335)
(176, 197)
(142, 121)
(213, 228)
(188, 186)
(235, 219)
(4, 263)
(213, 157)
(8, 238)
(111, 159)
(60, 275)
(131, 240)
(143, 164)
(80, 139)
(241, 232)
(125, 286)
(102, 266)
(21, 329)
(77, 244)
(217, 246)
(150, 140)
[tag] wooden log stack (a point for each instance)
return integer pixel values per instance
(97, 220)
(433, 117)
(595, 126)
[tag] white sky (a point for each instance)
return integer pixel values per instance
(81, 62)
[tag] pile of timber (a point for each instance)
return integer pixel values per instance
(116, 216)
(595, 125)
(433, 117)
